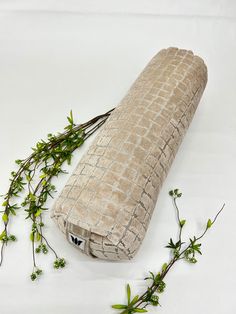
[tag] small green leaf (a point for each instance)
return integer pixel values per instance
(135, 299)
(137, 310)
(18, 161)
(157, 278)
(38, 212)
(119, 306)
(12, 211)
(5, 217)
(32, 236)
(71, 119)
(28, 178)
(32, 197)
(2, 235)
(182, 223)
(71, 115)
(128, 293)
(37, 236)
(209, 223)
(152, 275)
(164, 267)
(172, 245)
(12, 238)
(4, 203)
(80, 142)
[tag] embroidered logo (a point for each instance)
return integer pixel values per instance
(77, 241)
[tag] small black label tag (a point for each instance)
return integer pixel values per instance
(77, 241)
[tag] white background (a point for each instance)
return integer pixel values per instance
(84, 55)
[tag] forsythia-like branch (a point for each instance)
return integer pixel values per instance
(34, 177)
(179, 251)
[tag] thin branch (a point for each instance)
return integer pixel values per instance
(49, 245)
(2, 247)
(214, 220)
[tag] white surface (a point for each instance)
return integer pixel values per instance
(206, 8)
(84, 55)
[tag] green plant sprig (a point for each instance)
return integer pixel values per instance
(179, 251)
(36, 173)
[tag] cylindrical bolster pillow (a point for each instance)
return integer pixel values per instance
(106, 205)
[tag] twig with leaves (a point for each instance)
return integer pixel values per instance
(34, 177)
(179, 251)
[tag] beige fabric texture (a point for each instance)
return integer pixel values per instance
(107, 203)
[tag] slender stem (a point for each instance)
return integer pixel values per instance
(40, 228)
(94, 129)
(2, 247)
(214, 220)
(179, 222)
(4, 243)
(33, 253)
(49, 245)
(202, 235)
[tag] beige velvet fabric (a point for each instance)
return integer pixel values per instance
(106, 205)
